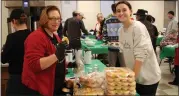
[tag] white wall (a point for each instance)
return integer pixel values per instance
(105, 7)
(56, 3)
(4, 22)
(90, 10)
(154, 8)
(67, 8)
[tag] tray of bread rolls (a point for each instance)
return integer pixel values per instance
(120, 81)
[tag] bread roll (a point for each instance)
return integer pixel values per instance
(109, 79)
(111, 88)
(118, 87)
(130, 80)
(88, 90)
(125, 84)
(125, 88)
(65, 90)
(132, 92)
(117, 80)
(132, 84)
(110, 75)
(123, 79)
(131, 75)
(111, 84)
(112, 92)
(125, 92)
(132, 88)
(100, 93)
(119, 93)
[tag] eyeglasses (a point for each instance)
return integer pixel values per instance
(55, 19)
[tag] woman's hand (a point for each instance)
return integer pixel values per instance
(60, 51)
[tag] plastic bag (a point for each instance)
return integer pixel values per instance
(91, 84)
(93, 80)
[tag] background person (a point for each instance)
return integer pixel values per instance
(13, 52)
(72, 29)
(99, 26)
(176, 62)
(151, 19)
(110, 36)
(141, 16)
(172, 25)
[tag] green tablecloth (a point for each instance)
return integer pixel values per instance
(98, 48)
(167, 51)
(100, 65)
(91, 36)
(159, 39)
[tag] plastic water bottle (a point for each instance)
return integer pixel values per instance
(96, 68)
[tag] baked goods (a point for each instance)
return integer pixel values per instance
(89, 91)
(92, 80)
(65, 90)
(120, 81)
(69, 83)
(91, 84)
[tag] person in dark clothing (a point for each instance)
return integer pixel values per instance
(72, 29)
(111, 37)
(13, 51)
(152, 20)
(141, 15)
(60, 31)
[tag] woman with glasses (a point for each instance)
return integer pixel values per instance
(44, 64)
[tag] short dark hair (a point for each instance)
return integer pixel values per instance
(124, 2)
(19, 15)
(75, 13)
(113, 7)
(171, 12)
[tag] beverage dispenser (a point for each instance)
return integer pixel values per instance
(31, 8)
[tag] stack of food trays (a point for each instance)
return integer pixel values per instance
(120, 81)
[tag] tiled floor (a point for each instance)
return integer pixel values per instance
(164, 88)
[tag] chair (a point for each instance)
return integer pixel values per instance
(169, 53)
